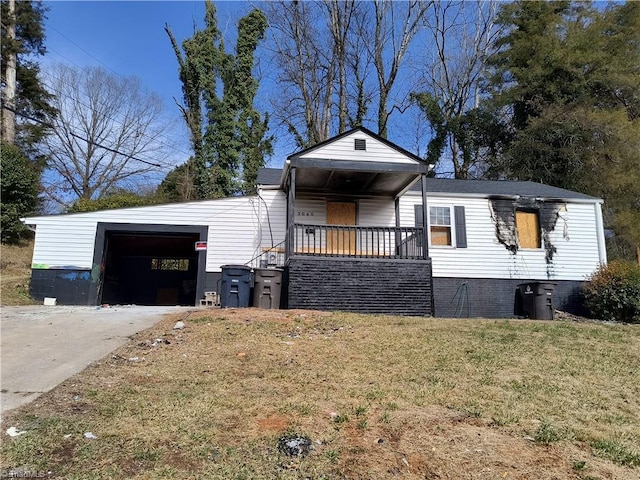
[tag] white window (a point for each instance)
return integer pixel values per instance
(440, 226)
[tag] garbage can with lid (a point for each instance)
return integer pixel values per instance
(267, 287)
(235, 286)
(536, 300)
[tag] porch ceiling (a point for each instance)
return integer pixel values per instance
(354, 178)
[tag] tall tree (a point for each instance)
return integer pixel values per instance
(569, 75)
(337, 59)
(395, 26)
(199, 68)
(228, 134)
(26, 104)
(459, 39)
(305, 56)
(106, 136)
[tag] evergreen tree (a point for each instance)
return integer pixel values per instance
(22, 40)
(19, 192)
(568, 77)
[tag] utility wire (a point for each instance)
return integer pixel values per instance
(59, 92)
(80, 137)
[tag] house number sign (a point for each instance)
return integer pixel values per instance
(302, 213)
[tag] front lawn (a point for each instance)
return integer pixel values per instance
(379, 397)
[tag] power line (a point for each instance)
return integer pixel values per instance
(80, 137)
(59, 92)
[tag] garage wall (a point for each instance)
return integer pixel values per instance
(236, 229)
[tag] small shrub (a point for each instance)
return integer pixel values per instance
(613, 292)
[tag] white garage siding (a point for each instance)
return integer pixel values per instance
(577, 254)
(235, 224)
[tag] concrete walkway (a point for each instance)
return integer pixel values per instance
(41, 347)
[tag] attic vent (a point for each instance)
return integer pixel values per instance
(360, 144)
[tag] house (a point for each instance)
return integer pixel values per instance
(346, 219)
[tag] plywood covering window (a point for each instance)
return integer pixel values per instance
(440, 220)
(528, 228)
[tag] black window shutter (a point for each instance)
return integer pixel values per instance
(461, 227)
(417, 215)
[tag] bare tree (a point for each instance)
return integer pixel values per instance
(304, 56)
(107, 135)
(340, 13)
(460, 38)
(395, 26)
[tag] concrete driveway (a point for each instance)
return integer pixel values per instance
(42, 346)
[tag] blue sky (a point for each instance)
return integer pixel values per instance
(128, 38)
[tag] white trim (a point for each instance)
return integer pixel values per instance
(431, 193)
(602, 249)
(452, 222)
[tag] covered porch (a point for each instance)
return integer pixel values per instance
(345, 245)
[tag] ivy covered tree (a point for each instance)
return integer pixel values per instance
(228, 135)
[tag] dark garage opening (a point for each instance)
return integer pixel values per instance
(152, 268)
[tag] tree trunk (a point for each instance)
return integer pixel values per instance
(9, 100)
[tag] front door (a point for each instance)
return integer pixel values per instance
(341, 240)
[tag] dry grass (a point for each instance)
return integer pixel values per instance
(15, 272)
(380, 397)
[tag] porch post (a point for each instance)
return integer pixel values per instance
(291, 214)
(425, 238)
(398, 236)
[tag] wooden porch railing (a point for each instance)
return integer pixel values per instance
(356, 241)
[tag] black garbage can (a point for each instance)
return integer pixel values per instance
(235, 286)
(267, 287)
(535, 300)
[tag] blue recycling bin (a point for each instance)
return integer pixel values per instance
(235, 286)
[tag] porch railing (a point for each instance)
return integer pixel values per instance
(357, 241)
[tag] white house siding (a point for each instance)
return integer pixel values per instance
(370, 212)
(343, 149)
(576, 256)
(234, 227)
(275, 226)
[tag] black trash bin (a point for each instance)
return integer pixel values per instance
(235, 286)
(535, 300)
(267, 287)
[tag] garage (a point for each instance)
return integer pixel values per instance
(149, 264)
(147, 255)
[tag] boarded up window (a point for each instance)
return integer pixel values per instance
(440, 219)
(528, 228)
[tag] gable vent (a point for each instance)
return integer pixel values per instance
(360, 144)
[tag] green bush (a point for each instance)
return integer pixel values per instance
(19, 181)
(613, 292)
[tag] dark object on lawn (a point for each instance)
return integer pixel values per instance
(294, 445)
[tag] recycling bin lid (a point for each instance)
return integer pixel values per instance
(239, 267)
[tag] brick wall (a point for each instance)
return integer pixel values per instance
(360, 285)
(494, 298)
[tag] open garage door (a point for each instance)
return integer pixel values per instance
(150, 267)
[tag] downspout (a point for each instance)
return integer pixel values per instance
(602, 248)
(290, 245)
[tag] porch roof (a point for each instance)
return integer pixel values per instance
(356, 162)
